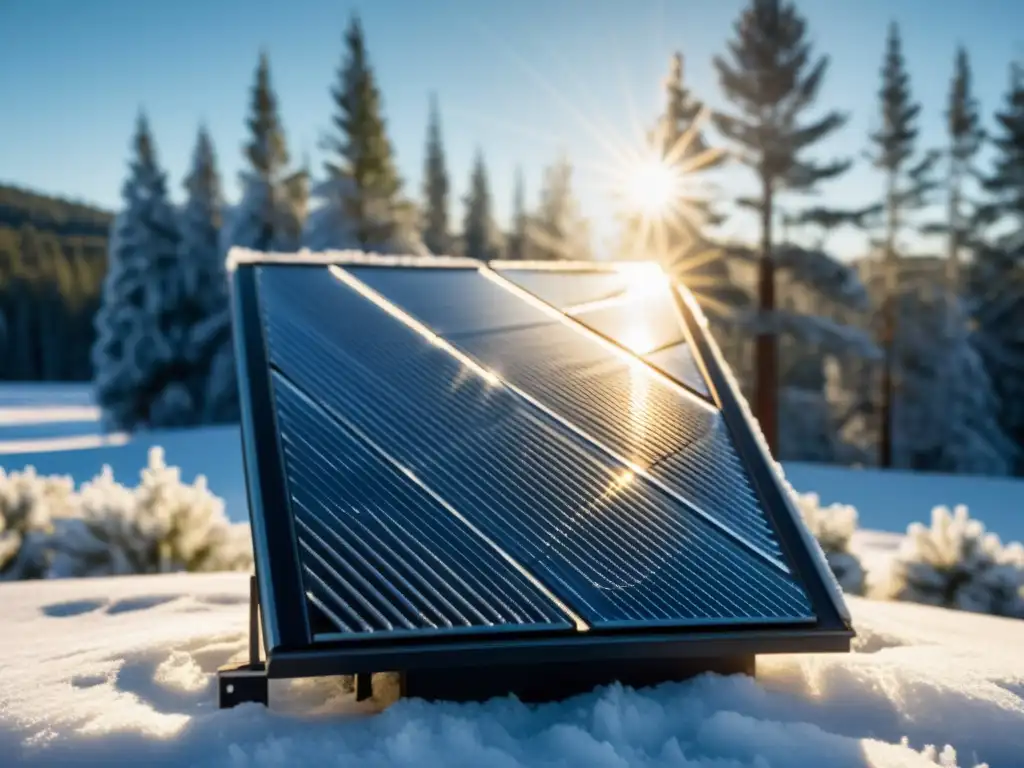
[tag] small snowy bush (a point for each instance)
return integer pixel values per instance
(954, 563)
(48, 529)
(28, 506)
(160, 526)
(833, 526)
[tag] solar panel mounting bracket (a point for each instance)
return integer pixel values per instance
(245, 683)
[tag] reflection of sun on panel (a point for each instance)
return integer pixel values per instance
(639, 404)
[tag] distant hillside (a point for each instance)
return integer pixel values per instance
(19, 207)
(53, 257)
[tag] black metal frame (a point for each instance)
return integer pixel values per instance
(278, 604)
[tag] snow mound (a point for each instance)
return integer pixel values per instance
(120, 671)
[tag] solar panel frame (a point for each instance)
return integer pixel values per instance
(285, 623)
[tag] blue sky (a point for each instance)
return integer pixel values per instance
(520, 80)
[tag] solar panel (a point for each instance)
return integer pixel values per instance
(632, 413)
(677, 361)
(446, 469)
(617, 553)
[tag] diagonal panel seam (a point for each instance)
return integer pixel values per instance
(371, 444)
(642, 471)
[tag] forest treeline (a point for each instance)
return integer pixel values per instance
(53, 255)
(910, 355)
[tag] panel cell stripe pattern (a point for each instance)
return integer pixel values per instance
(379, 554)
(617, 401)
(617, 554)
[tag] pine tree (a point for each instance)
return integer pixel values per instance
(907, 182)
(271, 212)
(558, 230)
(479, 234)
(516, 242)
(436, 236)
(996, 280)
(772, 81)
(142, 355)
(207, 288)
(358, 203)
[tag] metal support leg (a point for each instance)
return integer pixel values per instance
(364, 686)
(247, 682)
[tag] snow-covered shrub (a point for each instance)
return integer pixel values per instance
(29, 504)
(954, 563)
(833, 526)
(160, 526)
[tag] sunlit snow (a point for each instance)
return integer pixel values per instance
(119, 671)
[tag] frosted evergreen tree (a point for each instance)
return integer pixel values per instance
(479, 233)
(772, 80)
(206, 284)
(270, 215)
(558, 229)
(908, 179)
(996, 277)
(516, 242)
(143, 357)
(436, 236)
(967, 435)
(358, 204)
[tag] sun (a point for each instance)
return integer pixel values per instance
(653, 187)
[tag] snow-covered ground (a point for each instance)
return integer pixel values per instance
(120, 672)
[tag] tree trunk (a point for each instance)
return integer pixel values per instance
(766, 352)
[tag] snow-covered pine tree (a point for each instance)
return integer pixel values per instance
(479, 233)
(272, 210)
(557, 229)
(358, 203)
(436, 235)
(964, 423)
(908, 179)
(516, 245)
(772, 80)
(996, 276)
(143, 356)
(214, 385)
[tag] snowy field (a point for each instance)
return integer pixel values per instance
(120, 672)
